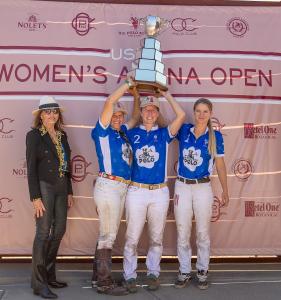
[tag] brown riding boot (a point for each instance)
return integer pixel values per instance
(94, 274)
(105, 283)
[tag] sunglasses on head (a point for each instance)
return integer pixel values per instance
(55, 111)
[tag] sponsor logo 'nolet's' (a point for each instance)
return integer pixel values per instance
(20, 170)
(32, 23)
(252, 131)
(262, 209)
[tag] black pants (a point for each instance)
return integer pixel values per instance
(49, 232)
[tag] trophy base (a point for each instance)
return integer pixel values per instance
(150, 87)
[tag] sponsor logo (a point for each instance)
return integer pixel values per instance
(135, 31)
(237, 27)
(217, 209)
(21, 170)
(252, 131)
(192, 158)
(5, 207)
(32, 23)
(82, 24)
(217, 125)
(262, 209)
(6, 128)
(184, 26)
(79, 167)
(147, 157)
(242, 169)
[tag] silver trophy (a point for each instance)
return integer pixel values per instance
(148, 69)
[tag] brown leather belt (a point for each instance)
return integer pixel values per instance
(194, 181)
(149, 186)
(113, 177)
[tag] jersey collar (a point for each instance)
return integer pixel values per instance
(152, 129)
(192, 130)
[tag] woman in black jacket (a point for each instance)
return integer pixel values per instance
(49, 181)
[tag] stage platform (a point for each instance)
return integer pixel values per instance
(228, 281)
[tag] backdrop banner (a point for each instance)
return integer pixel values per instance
(79, 53)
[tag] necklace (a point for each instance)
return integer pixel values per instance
(58, 145)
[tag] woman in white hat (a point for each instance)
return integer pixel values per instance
(49, 181)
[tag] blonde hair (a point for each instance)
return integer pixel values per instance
(212, 147)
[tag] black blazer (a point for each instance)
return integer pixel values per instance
(43, 162)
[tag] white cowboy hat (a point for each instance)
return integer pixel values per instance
(47, 102)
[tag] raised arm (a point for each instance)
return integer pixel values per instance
(221, 170)
(107, 112)
(136, 109)
(180, 114)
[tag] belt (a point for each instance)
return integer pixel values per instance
(194, 181)
(149, 186)
(113, 177)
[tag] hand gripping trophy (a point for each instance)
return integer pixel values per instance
(148, 69)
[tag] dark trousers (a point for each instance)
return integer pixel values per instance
(49, 232)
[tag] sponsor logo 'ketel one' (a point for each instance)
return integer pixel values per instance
(32, 23)
(262, 209)
(252, 131)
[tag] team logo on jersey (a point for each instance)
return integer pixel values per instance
(126, 153)
(147, 156)
(192, 158)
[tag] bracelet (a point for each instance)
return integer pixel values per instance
(129, 83)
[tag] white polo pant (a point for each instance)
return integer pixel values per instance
(192, 199)
(141, 205)
(109, 196)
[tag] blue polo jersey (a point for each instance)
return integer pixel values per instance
(150, 154)
(112, 151)
(195, 162)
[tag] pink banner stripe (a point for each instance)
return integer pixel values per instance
(55, 48)
(174, 51)
(222, 52)
(129, 95)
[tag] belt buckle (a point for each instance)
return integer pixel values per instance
(150, 186)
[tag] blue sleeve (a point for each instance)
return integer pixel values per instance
(219, 144)
(184, 129)
(99, 130)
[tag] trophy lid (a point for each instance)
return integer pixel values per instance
(152, 25)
